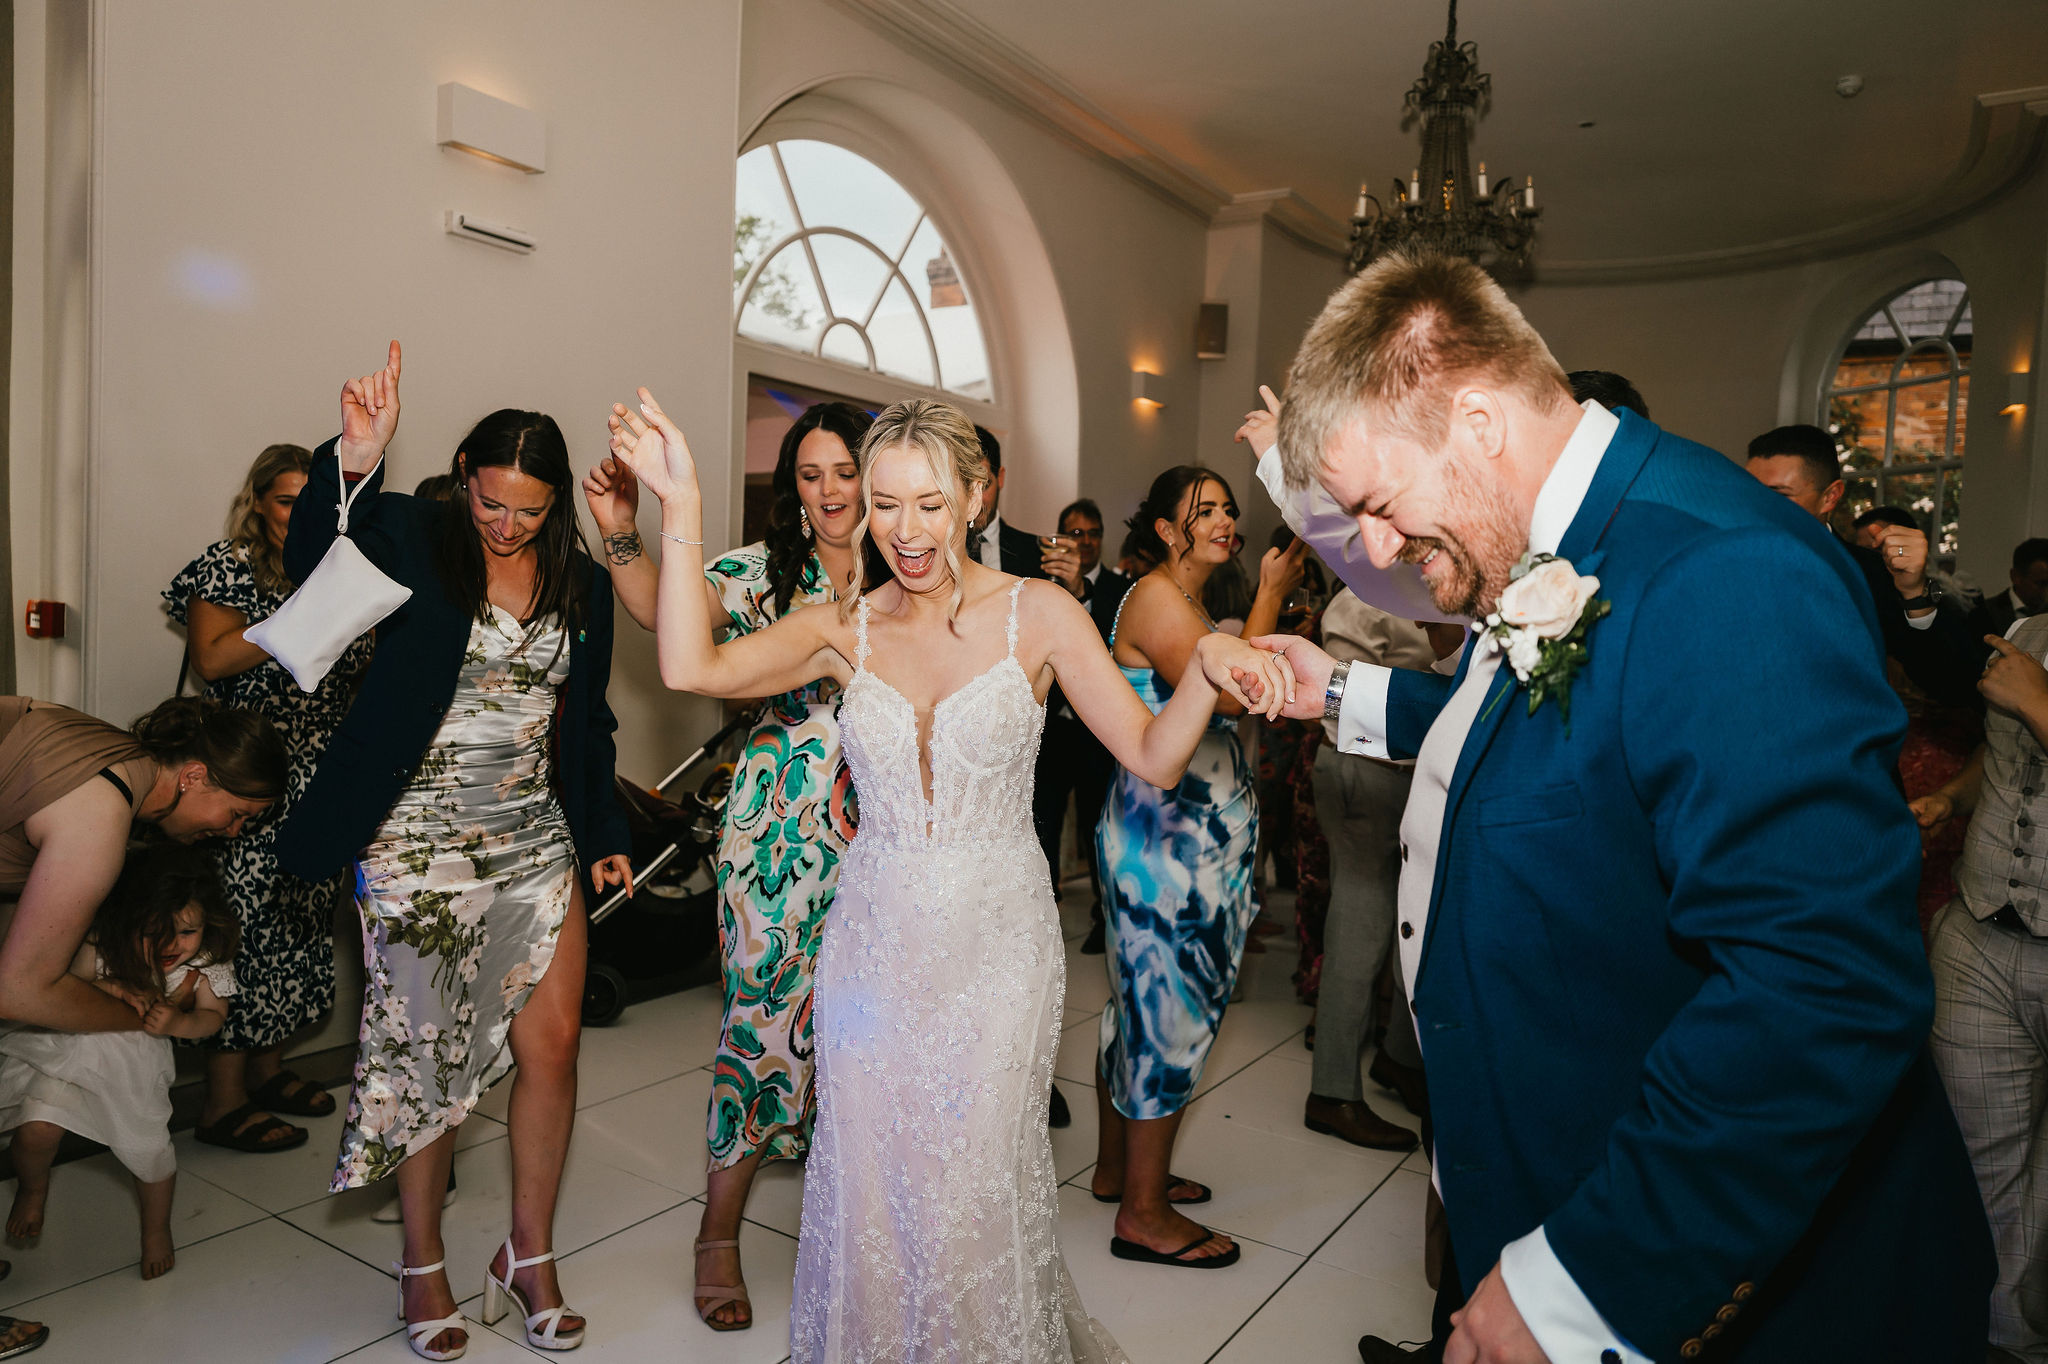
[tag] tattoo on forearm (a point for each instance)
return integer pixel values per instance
(622, 549)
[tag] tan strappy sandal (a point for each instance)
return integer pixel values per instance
(720, 1294)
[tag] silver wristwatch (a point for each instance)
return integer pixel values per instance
(1333, 695)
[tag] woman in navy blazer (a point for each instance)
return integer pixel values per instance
(471, 784)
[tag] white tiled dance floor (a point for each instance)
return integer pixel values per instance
(271, 1268)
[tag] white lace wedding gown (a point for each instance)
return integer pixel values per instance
(930, 1205)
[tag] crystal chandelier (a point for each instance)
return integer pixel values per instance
(1443, 207)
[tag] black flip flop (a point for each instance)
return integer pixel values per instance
(1145, 1255)
(250, 1139)
(34, 1342)
(286, 1092)
(1204, 1196)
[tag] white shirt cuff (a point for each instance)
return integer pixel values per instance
(1275, 482)
(1925, 622)
(1568, 1327)
(1362, 715)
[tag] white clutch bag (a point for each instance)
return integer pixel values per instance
(341, 600)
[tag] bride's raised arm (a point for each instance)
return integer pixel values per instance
(801, 647)
(1156, 747)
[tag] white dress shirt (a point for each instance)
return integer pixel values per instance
(989, 553)
(1563, 1320)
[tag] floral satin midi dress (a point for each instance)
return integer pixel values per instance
(1177, 885)
(463, 894)
(788, 820)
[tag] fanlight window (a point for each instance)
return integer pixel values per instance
(834, 259)
(1897, 405)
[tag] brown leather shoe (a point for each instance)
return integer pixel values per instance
(1355, 1123)
(1405, 1081)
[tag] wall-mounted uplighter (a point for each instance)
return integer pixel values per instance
(482, 125)
(2016, 386)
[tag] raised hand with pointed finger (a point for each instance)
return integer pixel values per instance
(369, 416)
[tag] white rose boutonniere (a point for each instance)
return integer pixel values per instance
(1541, 623)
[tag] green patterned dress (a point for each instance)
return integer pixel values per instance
(463, 893)
(787, 823)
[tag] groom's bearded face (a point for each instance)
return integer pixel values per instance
(1441, 510)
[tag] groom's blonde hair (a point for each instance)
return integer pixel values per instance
(947, 440)
(1393, 344)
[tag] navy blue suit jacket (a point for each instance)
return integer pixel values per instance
(411, 680)
(1672, 995)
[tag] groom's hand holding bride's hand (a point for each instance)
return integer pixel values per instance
(1489, 1329)
(1311, 668)
(1260, 682)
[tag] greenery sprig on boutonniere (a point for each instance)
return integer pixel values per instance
(1541, 625)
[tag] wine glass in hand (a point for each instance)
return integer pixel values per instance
(369, 416)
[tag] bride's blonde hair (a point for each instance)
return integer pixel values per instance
(947, 441)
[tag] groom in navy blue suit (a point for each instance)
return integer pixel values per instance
(1656, 908)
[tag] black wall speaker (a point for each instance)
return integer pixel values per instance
(1212, 331)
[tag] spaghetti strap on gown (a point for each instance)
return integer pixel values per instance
(930, 1217)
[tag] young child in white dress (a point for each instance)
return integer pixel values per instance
(162, 942)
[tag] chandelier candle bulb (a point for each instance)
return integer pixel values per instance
(1482, 179)
(1529, 195)
(1415, 186)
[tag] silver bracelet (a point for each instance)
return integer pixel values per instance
(1333, 694)
(681, 541)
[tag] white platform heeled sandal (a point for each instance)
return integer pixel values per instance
(417, 1334)
(543, 1328)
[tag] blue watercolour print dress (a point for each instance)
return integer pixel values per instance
(1177, 890)
(463, 894)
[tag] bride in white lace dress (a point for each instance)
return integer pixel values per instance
(930, 1209)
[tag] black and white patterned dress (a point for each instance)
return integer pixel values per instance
(286, 963)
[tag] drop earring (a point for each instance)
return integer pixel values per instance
(803, 520)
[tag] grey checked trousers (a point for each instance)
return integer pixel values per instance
(1359, 804)
(1991, 1046)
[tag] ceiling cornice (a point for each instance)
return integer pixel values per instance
(971, 52)
(2005, 139)
(1292, 214)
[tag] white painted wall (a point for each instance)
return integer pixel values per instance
(1126, 265)
(1723, 359)
(267, 210)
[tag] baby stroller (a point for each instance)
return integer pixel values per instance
(664, 936)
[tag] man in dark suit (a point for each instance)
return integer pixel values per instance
(1071, 760)
(2028, 594)
(993, 542)
(1939, 649)
(1683, 1108)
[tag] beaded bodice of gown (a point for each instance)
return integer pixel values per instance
(983, 748)
(930, 1205)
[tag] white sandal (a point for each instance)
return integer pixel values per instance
(417, 1334)
(497, 1293)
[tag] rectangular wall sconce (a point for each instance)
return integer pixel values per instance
(471, 121)
(2015, 393)
(1148, 388)
(1212, 331)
